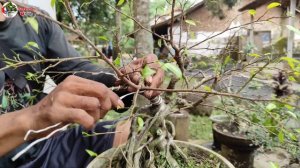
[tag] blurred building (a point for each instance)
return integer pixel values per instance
(208, 34)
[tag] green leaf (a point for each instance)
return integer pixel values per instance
(297, 74)
(147, 71)
(274, 165)
(255, 119)
(30, 76)
(162, 65)
(293, 115)
(140, 123)
(281, 136)
(53, 3)
(103, 38)
(202, 64)
(273, 5)
(292, 79)
(297, 130)
(271, 106)
(109, 126)
(297, 69)
(33, 23)
(117, 61)
(266, 54)
(192, 35)
(252, 72)
(32, 44)
(252, 12)
(207, 88)
(173, 68)
(190, 22)
(290, 61)
(289, 107)
(227, 60)
(293, 137)
(85, 134)
(297, 31)
(83, 4)
(159, 43)
(91, 153)
(4, 103)
(254, 55)
(186, 51)
(121, 2)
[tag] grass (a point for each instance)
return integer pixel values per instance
(200, 128)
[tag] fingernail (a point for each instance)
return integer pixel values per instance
(150, 79)
(120, 104)
(137, 78)
(149, 94)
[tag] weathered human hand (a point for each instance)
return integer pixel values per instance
(76, 100)
(133, 71)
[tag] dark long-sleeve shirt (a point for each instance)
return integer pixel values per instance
(17, 85)
(16, 34)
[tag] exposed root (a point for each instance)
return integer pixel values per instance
(150, 162)
(137, 158)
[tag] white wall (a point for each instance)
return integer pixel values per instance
(217, 43)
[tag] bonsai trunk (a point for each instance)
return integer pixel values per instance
(154, 142)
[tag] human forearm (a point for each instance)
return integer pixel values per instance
(75, 100)
(13, 129)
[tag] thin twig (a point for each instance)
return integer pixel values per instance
(101, 133)
(68, 5)
(250, 79)
(218, 93)
(118, 72)
(227, 29)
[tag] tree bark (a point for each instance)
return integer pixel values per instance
(291, 37)
(118, 32)
(143, 38)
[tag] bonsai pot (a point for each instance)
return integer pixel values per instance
(107, 158)
(236, 148)
(219, 119)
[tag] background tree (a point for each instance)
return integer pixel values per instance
(143, 38)
(95, 18)
(118, 32)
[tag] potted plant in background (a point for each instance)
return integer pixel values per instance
(249, 126)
